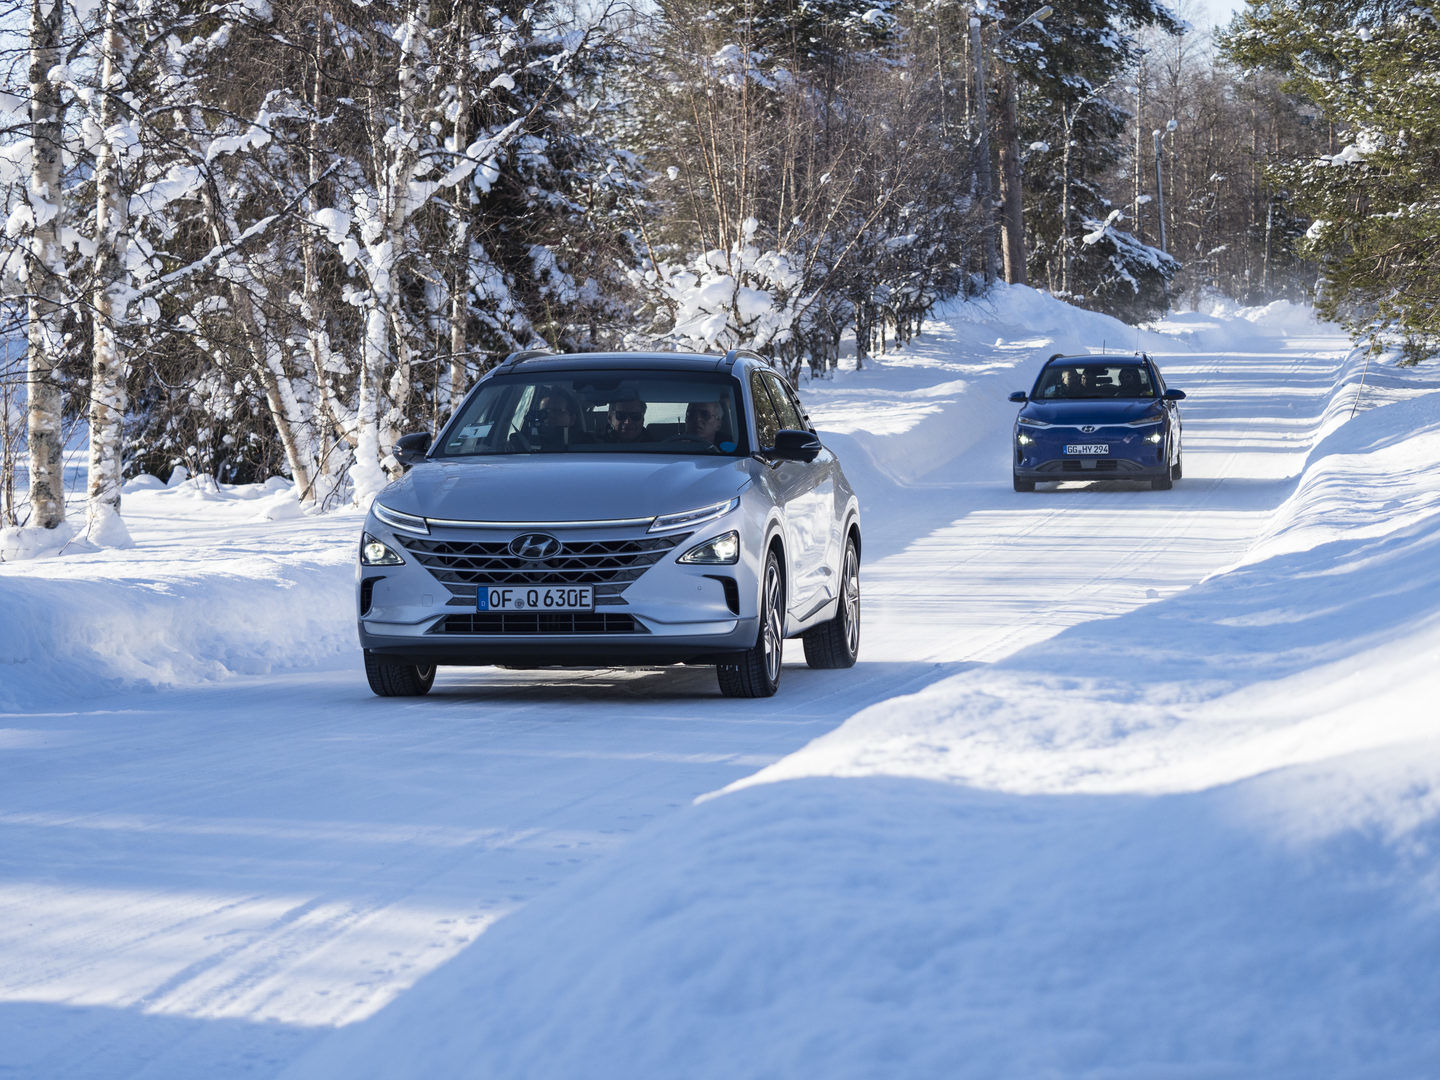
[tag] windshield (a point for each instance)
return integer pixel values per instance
(600, 412)
(1068, 381)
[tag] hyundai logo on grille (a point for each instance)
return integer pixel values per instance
(535, 546)
(1087, 428)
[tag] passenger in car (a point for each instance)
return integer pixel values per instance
(625, 422)
(703, 419)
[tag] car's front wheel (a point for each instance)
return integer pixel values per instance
(1023, 485)
(395, 678)
(836, 644)
(756, 671)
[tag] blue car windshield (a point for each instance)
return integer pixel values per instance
(600, 412)
(1081, 381)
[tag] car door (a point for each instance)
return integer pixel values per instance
(806, 493)
(1171, 409)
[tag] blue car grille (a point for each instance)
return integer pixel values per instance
(609, 565)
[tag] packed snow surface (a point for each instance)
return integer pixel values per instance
(1127, 784)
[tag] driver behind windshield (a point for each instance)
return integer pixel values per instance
(557, 412)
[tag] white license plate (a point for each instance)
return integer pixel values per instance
(1087, 448)
(535, 598)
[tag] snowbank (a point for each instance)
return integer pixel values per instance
(225, 595)
(1196, 840)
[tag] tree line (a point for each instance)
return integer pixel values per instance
(254, 239)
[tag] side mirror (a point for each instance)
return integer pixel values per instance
(1174, 395)
(410, 449)
(1019, 397)
(792, 445)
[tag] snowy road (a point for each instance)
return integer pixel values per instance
(202, 881)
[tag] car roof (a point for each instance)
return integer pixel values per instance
(1099, 359)
(539, 361)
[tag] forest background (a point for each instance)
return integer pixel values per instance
(253, 239)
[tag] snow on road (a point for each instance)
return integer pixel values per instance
(1127, 783)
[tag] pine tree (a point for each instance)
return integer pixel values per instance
(1064, 68)
(1370, 68)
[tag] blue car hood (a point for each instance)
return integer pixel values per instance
(1095, 411)
(565, 487)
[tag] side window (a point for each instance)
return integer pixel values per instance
(785, 406)
(767, 420)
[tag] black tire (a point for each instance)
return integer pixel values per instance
(395, 678)
(1177, 470)
(756, 672)
(836, 644)
(1162, 483)
(1022, 485)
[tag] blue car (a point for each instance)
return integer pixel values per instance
(1098, 417)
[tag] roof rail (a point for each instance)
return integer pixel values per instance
(735, 354)
(524, 354)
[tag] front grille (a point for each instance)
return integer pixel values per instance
(539, 622)
(609, 565)
(1100, 465)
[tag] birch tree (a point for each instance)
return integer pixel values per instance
(110, 293)
(44, 269)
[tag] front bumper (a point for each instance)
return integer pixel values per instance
(1130, 453)
(649, 609)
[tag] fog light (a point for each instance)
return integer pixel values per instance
(1023, 439)
(1156, 438)
(375, 553)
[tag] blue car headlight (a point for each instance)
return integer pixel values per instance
(1030, 421)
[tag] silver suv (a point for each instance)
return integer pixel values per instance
(603, 509)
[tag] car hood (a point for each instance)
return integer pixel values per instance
(565, 487)
(1095, 411)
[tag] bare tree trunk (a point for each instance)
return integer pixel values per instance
(460, 251)
(982, 130)
(264, 351)
(1139, 162)
(44, 272)
(395, 156)
(1011, 192)
(328, 423)
(109, 301)
(1065, 208)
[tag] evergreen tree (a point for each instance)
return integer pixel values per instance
(1063, 67)
(1369, 67)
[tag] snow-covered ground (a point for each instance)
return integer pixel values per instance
(1126, 784)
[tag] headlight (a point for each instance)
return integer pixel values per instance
(1155, 438)
(1145, 421)
(722, 550)
(1030, 421)
(399, 520)
(1023, 439)
(376, 553)
(690, 518)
